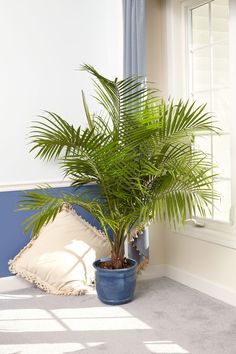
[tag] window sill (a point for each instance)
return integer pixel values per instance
(221, 238)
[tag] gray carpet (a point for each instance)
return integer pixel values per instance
(165, 317)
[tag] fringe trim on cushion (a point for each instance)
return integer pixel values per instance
(142, 265)
(11, 261)
(99, 233)
(136, 232)
(34, 279)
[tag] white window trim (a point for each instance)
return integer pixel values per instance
(208, 235)
(216, 232)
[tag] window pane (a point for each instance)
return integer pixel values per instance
(201, 69)
(202, 98)
(208, 212)
(222, 206)
(220, 108)
(209, 52)
(220, 65)
(203, 143)
(221, 154)
(200, 26)
(220, 19)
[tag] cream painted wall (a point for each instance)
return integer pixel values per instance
(156, 52)
(206, 260)
(157, 244)
(213, 262)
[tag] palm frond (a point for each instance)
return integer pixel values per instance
(128, 97)
(46, 207)
(53, 135)
(182, 119)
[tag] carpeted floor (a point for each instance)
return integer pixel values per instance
(165, 317)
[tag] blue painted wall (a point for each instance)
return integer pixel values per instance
(12, 237)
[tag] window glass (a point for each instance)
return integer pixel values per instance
(200, 26)
(221, 154)
(220, 20)
(209, 77)
(220, 107)
(222, 206)
(201, 69)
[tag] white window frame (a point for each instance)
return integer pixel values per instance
(177, 40)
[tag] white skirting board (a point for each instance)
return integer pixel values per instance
(203, 285)
(216, 290)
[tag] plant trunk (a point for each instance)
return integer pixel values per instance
(118, 259)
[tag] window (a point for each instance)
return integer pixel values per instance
(200, 57)
(208, 53)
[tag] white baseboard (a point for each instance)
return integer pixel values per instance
(13, 283)
(203, 285)
(208, 287)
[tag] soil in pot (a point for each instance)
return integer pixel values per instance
(111, 265)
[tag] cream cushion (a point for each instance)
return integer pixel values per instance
(60, 259)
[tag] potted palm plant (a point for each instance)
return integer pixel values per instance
(139, 152)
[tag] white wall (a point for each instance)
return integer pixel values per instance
(43, 42)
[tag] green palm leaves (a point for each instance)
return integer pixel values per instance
(139, 153)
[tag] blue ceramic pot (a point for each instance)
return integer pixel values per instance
(115, 286)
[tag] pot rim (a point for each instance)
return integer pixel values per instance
(114, 270)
